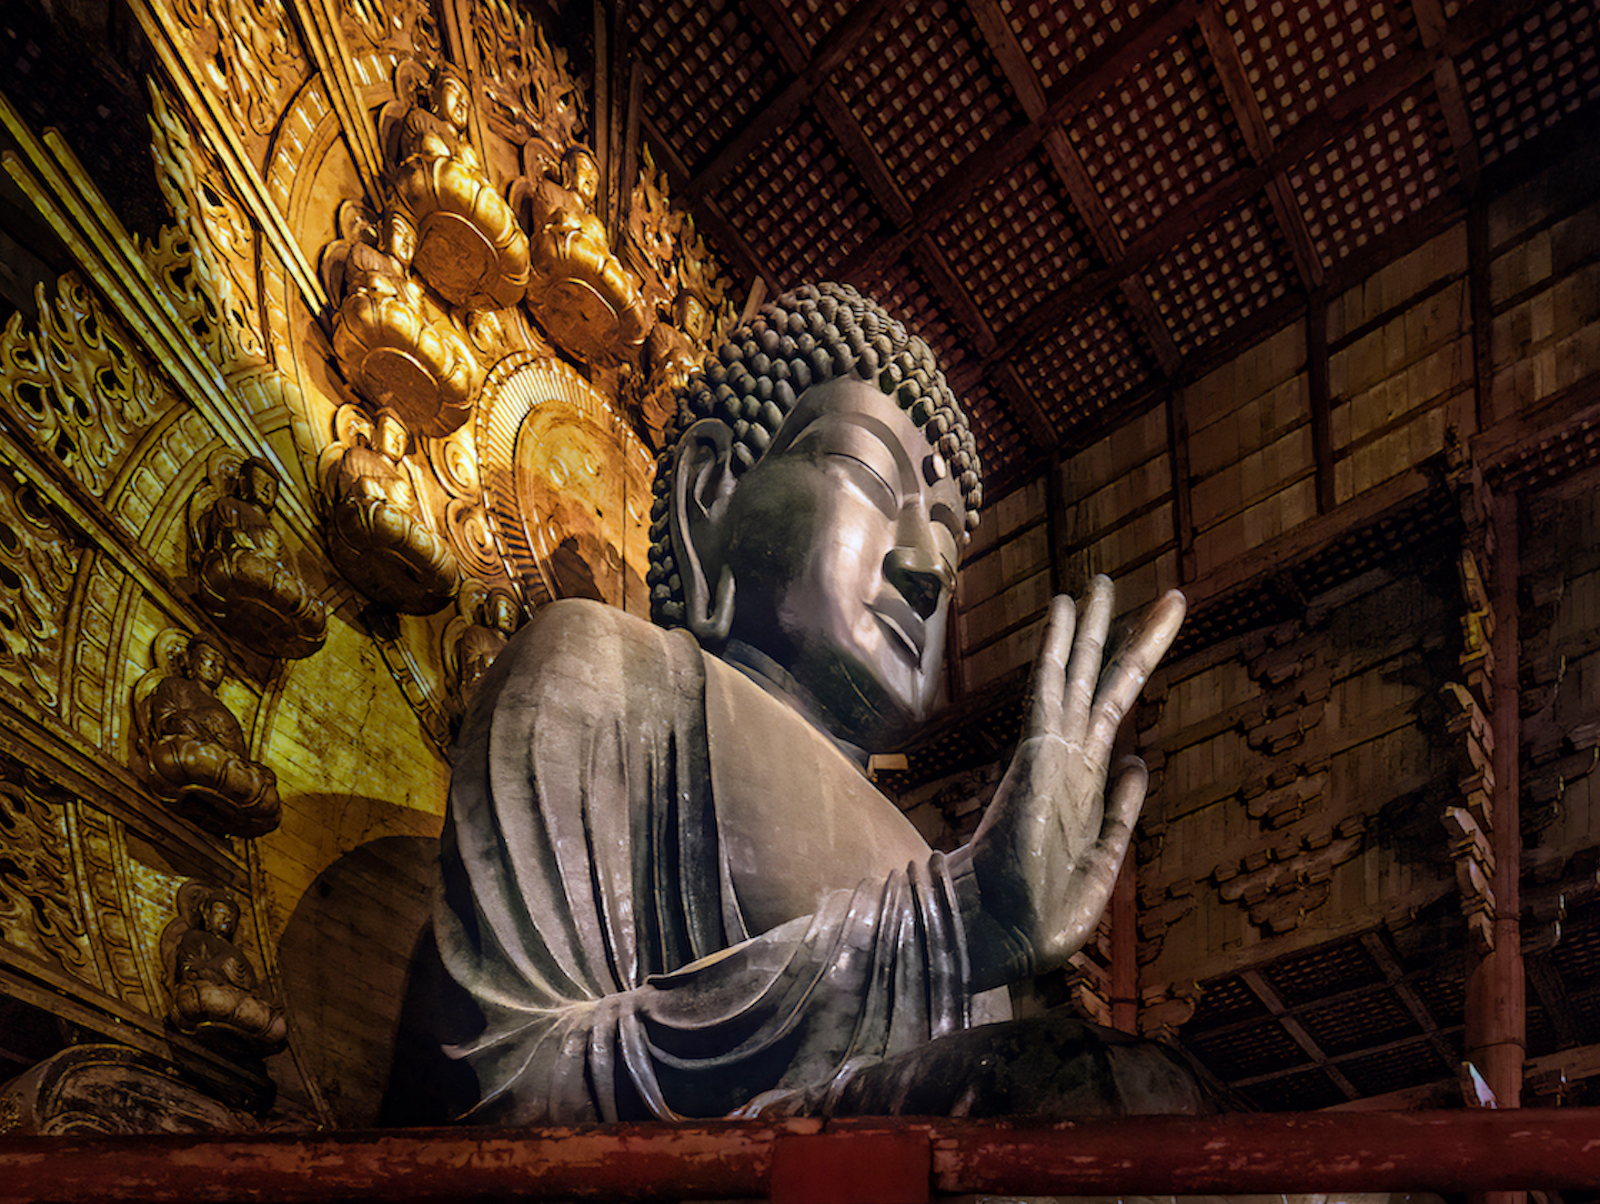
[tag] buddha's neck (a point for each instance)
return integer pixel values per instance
(781, 684)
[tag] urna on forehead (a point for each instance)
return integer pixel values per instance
(807, 337)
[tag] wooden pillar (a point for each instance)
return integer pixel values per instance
(1496, 1020)
(1125, 947)
(1321, 398)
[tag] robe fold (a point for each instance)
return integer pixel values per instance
(589, 913)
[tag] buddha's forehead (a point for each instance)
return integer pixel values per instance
(851, 400)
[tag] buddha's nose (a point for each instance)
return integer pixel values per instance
(921, 577)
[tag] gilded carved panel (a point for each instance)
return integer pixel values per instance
(77, 385)
(39, 556)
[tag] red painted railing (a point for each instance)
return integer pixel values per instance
(855, 1162)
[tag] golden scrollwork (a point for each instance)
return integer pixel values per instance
(39, 908)
(578, 290)
(191, 747)
(206, 261)
(39, 558)
(379, 535)
(469, 247)
(249, 52)
(216, 995)
(530, 93)
(402, 26)
(244, 578)
(76, 385)
(389, 350)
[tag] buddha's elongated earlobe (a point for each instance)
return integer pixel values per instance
(702, 480)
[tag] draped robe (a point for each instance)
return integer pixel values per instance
(600, 872)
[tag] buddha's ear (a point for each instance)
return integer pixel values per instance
(702, 482)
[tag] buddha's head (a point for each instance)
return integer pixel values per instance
(581, 174)
(205, 663)
(690, 315)
(221, 916)
(818, 486)
(451, 100)
(258, 483)
(398, 237)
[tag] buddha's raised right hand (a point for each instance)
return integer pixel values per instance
(1034, 881)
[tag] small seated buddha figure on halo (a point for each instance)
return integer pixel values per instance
(469, 246)
(669, 887)
(387, 347)
(672, 352)
(578, 289)
(214, 987)
(377, 534)
(193, 747)
(245, 578)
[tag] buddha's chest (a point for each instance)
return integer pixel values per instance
(795, 816)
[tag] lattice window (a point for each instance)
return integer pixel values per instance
(1521, 83)
(706, 66)
(1299, 54)
(926, 91)
(816, 18)
(1160, 134)
(1392, 1069)
(1358, 186)
(1081, 370)
(800, 204)
(1227, 273)
(1018, 238)
(1443, 994)
(1057, 35)
(1243, 1053)
(1325, 970)
(1359, 1022)
(1222, 1002)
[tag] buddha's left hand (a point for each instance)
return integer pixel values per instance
(1039, 871)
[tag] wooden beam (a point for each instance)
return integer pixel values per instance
(1496, 1037)
(1182, 492)
(1548, 1149)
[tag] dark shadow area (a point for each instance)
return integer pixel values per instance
(345, 961)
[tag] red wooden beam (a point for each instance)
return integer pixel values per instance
(1319, 1151)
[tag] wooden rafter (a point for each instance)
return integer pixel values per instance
(1433, 28)
(1246, 109)
(1069, 169)
(1099, 70)
(808, 73)
(1297, 1032)
(1380, 88)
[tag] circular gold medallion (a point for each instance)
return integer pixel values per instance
(566, 484)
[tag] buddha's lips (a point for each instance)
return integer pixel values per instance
(904, 623)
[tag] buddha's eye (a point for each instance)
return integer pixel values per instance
(869, 480)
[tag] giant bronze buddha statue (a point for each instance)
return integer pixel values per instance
(671, 890)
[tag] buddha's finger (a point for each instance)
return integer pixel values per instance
(1050, 669)
(1083, 670)
(1132, 666)
(1100, 864)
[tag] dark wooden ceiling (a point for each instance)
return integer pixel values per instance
(1082, 203)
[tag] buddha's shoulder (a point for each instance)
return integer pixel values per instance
(577, 643)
